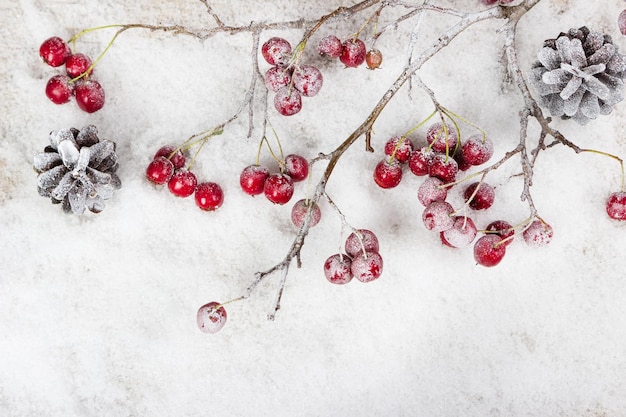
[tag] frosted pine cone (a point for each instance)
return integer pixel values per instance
(77, 170)
(579, 75)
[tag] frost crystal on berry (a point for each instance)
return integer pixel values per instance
(579, 75)
(77, 170)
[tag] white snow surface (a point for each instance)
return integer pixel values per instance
(98, 312)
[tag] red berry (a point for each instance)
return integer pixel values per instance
(59, 89)
(477, 149)
(183, 183)
(54, 51)
(211, 317)
(308, 80)
(276, 51)
(353, 52)
(367, 266)
(483, 199)
(252, 179)
(616, 206)
(399, 147)
(430, 190)
(461, 234)
(621, 22)
(443, 167)
(337, 269)
(288, 101)
(300, 209)
(330, 45)
(373, 58)
(388, 174)
(420, 160)
(437, 216)
(209, 196)
(361, 240)
(442, 138)
(503, 229)
(276, 77)
(538, 233)
(278, 188)
(89, 95)
(77, 64)
(160, 170)
(173, 154)
(489, 251)
(296, 167)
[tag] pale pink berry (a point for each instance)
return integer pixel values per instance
(211, 317)
(288, 101)
(437, 216)
(461, 234)
(330, 45)
(538, 233)
(276, 77)
(300, 210)
(276, 51)
(361, 240)
(308, 80)
(367, 266)
(431, 190)
(338, 269)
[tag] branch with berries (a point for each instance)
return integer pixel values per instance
(578, 75)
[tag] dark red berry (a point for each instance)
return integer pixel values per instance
(288, 101)
(399, 147)
(299, 212)
(353, 52)
(89, 95)
(388, 174)
(278, 188)
(160, 170)
(616, 206)
(337, 269)
(483, 197)
(59, 89)
(489, 250)
(183, 183)
(361, 240)
(373, 58)
(420, 160)
(252, 179)
(211, 317)
(503, 229)
(54, 51)
(367, 266)
(77, 64)
(276, 51)
(209, 196)
(444, 167)
(296, 167)
(172, 153)
(308, 80)
(276, 77)
(477, 149)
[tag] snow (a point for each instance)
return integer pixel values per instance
(98, 312)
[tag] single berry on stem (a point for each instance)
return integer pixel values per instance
(209, 196)
(443, 167)
(276, 77)
(420, 161)
(297, 167)
(288, 101)
(211, 317)
(483, 195)
(160, 170)
(399, 147)
(308, 80)
(477, 149)
(252, 179)
(437, 216)
(330, 45)
(367, 266)
(489, 250)
(361, 240)
(337, 269)
(461, 234)
(538, 233)
(373, 59)
(388, 174)
(77, 64)
(276, 51)
(89, 95)
(353, 52)
(278, 188)
(173, 154)
(54, 51)
(616, 206)
(442, 138)
(59, 89)
(431, 190)
(183, 183)
(300, 209)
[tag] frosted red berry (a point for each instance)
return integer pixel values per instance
(489, 250)
(299, 212)
(437, 216)
(276, 51)
(538, 233)
(443, 167)
(183, 183)
(337, 269)
(420, 160)
(388, 174)
(288, 101)
(330, 45)
(400, 147)
(77, 64)
(160, 170)
(503, 229)
(616, 206)
(431, 190)
(308, 80)
(373, 58)
(276, 77)
(484, 197)
(173, 154)
(297, 167)
(278, 188)
(461, 234)
(477, 149)
(54, 51)
(252, 179)
(211, 317)
(209, 196)
(367, 266)
(442, 138)
(361, 240)
(59, 89)
(353, 52)
(89, 95)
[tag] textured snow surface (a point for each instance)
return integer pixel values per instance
(98, 312)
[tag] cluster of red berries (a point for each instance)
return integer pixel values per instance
(168, 166)
(278, 187)
(351, 52)
(290, 81)
(76, 82)
(362, 260)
